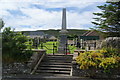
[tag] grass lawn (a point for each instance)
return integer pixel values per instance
(49, 47)
(72, 48)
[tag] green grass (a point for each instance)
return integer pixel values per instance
(48, 46)
(72, 48)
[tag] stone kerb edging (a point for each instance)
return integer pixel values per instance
(37, 55)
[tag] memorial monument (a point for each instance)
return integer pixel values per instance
(63, 34)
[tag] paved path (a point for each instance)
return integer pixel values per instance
(38, 77)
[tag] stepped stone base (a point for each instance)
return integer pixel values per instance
(62, 47)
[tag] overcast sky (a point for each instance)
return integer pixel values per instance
(47, 14)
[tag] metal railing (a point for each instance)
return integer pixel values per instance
(53, 47)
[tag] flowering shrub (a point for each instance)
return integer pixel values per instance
(105, 59)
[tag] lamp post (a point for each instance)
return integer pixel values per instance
(1, 24)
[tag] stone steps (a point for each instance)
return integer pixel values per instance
(55, 65)
(54, 68)
(53, 74)
(53, 71)
(59, 66)
(58, 61)
(58, 58)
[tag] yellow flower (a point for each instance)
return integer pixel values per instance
(117, 59)
(107, 61)
(103, 51)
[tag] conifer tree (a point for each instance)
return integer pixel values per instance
(108, 20)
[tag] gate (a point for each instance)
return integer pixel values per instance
(51, 47)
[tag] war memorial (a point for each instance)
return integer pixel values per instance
(89, 61)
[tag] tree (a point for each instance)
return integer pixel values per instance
(14, 45)
(108, 21)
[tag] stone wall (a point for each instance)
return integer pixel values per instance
(35, 57)
(111, 42)
(19, 68)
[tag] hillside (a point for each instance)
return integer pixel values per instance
(70, 32)
(56, 32)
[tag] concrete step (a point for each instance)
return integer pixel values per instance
(54, 68)
(53, 71)
(53, 56)
(59, 66)
(58, 58)
(59, 61)
(55, 63)
(52, 74)
(59, 55)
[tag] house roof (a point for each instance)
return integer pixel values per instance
(91, 33)
(52, 37)
(38, 36)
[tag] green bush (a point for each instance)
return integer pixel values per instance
(72, 48)
(105, 59)
(14, 46)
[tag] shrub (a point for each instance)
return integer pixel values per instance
(105, 59)
(14, 45)
(108, 63)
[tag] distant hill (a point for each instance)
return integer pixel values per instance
(56, 32)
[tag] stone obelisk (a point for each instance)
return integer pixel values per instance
(63, 34)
